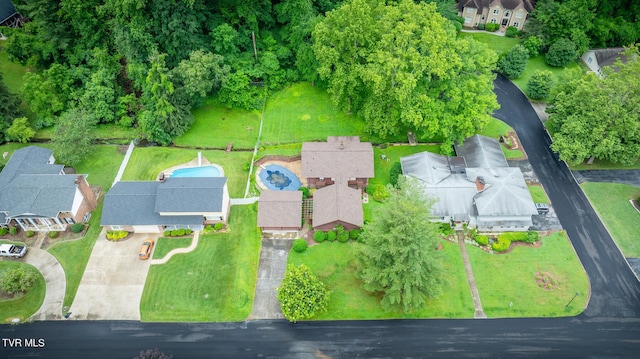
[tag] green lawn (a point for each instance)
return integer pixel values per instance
(165, 244)
(510, 278)
(500, 44)
(334, 264)
(74, 255)
(537, 63)
(305, 113)
(216, 125)
(112, 132)
(511, 154)
(538, 194)
(146, 162)
(382, 167)
(11, 72)
(215, 282)
(289, 149)
(611, 201)
(102, 165)
(495, 128)
(25, 305)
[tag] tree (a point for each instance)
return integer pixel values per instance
(72, 136)
(533, 45)
(199, 75)
(9, 106)
(20, 130)
(597, 117)
(561, 53)
(401, 66)
(513, 63)
(398, 253)
(17, 281)
(539, 84)
(301, 294)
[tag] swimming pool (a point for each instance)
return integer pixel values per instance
(278, 178)
(204, 171)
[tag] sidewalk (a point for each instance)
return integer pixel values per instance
(479, 313)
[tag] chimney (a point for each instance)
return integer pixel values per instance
(161, 177)
(479, 183)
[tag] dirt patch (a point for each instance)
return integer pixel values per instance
(546, 280)
(515, 145)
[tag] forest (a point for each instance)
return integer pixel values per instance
(145, 64)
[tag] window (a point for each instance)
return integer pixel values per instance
(519, 15)
(467, 20)
(470, 10)
(69, 220)
(516, 24)
(589, 60)
(86, 217)
(493, 21)
(496, 11)
(116, 228)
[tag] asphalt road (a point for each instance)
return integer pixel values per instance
(610, 326)
(631, 177)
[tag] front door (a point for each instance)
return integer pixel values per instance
(505, 21)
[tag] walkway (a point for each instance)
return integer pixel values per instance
(273, 263)
(192, 246)
(479, 313)
(55, 280)
(124, 163)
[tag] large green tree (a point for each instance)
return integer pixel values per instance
(398, 255)
(301, 294)
(401, 66)
(599, 117)
(72, 137)
(9, 106)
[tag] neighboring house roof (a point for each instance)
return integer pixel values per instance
(337, 203)
(482, 152)
(7, 10)
(29, 160)
(280, 209)
(429, 167)
(505, 192)
(341, 158)
(190, 194)
(528, 5)
(39, 195)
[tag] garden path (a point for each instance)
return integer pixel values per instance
(192, 246)
(479, 313)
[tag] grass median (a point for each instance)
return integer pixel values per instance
(25, 305)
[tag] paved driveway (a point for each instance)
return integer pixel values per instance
(273, 264)
(113, 281)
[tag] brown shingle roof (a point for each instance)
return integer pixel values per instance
(341, 157)
(280, 209)
(337, 203)
(529, 5)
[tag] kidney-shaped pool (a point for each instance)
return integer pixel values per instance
(278, 178)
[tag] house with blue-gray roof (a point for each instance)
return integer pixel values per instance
(167, 204)
(37, 195)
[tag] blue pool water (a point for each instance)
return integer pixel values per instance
(278, 178)
(204, 171)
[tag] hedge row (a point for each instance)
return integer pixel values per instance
(504, 239)
(341, 234)
(177, 232)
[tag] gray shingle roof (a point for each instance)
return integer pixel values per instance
(429, 167)
(482, 152)
(6, 10)
(337, 203)
(41, 195)
(505, 193)
(280, 209)
(191, 194)
(29, 160)
(340, 158)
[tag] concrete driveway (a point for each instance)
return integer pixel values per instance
(113, 281)
(273, 264)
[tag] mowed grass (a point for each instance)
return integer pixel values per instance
(24, 306)
(147, 162)
(611, 201)
(165, 244)
(538, 63)
(12, 72)
(538, 194)
(215, 125)
(110, 131)
(495, 128)
(604, 165)
(305, 113)
(74, 255)
(101, 165)
(334, 263)
(382, 167)
(215, 282)
(503, 279)
(500, 44)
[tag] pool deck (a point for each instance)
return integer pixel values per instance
(191, 164)
(295, 167)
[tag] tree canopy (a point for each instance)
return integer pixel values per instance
(401, 66)
(598, 117)
(398, 253)
(301, 294)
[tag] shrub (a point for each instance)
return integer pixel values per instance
(343, 236)
(300, 245)
(561, 53)
(116, 235)
(502, 244)
(167, 233)
(512, 31)
(3, 231)
(188, 232)
(17, 280)
(354, 234)
(77, 227)
(305, 192)
(492, 27)
(331, 236)
(206, 228)
(218, 226)
(13, 230)
(396, 170)
(53, 234)
(180, 232)
(174, 233)
(539, 84)
(319, 236)
(455, 23)
(378, 192)
(532, 237)
(481, 26)
(301, 294)
(29, 234)
(513, 63)
(482, 240)
(446, 229)
(533, 45)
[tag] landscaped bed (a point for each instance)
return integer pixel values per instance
(215, 282)
(22, 306)
(334, 263)
(510, 284)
